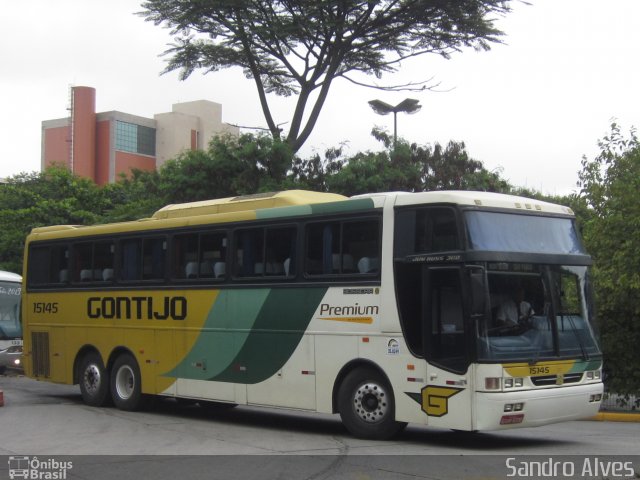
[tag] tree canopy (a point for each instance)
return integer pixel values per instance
(294, 47)
(610, 211)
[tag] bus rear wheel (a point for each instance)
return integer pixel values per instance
(367, 406)
(126, 387)
(94, 380)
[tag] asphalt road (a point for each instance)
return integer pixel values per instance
(171, 440)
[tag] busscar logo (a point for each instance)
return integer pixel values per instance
(38, 469)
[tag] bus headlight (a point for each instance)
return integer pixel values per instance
(517, 382)
(594, 375)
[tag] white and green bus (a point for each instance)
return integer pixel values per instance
(386, 308)
(10, 296)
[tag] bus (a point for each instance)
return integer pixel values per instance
(385, 308)
(10, 295)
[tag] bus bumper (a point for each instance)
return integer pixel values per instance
(501, 410)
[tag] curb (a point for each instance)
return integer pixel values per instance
(616, 417)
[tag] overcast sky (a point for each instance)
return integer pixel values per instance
(532, 107)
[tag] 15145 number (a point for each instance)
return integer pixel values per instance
(45, 307)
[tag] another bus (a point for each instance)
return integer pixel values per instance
(386, 308)
(10, 295)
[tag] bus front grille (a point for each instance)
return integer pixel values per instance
(40, 349)
(547, 380)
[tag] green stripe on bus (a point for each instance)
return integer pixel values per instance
(316, 208)
(277, 331)
(225, 331)
(294, 211)
(585, 365)
(342, 207)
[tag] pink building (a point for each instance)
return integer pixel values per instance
(101, 146)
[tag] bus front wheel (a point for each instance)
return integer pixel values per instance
(126, 388)
(94, 380)
(366, 405)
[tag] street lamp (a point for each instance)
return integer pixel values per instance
(408, 105)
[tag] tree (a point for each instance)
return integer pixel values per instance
(52, 197)
(611, 227)
(451, 168)
(133, 197)
(413, 168)
(231, 166)
(295, 47)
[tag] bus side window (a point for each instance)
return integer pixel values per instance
(91, 259)
(153, 258)
(249, 252)
(39, 265)
(280, 245)
(343, 248)
(185, 256)
(436, 230)
(213, 255)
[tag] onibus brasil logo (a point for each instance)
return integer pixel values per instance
(38, 469)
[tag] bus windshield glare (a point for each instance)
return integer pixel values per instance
(526, 233)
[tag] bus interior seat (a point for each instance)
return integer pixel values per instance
(368, 264)
(86, 275)
(219, 269)
(107, 274)
(258, 268)
(286, 265)
(63, 276)
(191, 270)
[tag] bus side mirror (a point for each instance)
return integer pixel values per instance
(478, 290)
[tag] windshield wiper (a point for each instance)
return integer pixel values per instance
(585, 355)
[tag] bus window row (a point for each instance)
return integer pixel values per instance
(347, 247)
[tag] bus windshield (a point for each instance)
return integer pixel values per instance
(537, 312)
(10, 310)
(526, 233)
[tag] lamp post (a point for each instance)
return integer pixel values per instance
(408, 105)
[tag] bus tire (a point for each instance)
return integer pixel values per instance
(94, 380)
(126, 386)
(367, 406)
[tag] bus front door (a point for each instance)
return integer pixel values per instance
(447, 397)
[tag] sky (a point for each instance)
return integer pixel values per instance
(530, 108)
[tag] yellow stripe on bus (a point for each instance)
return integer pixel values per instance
(539, 368)
(368, 320)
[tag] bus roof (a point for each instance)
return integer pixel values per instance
(473, 198)
(9, 277)
(223, 210)
(293, 203)
(257, 201)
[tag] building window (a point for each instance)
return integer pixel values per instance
(135, 138)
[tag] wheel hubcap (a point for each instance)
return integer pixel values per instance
(370, 402)
(92, 379)
(125, 382)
